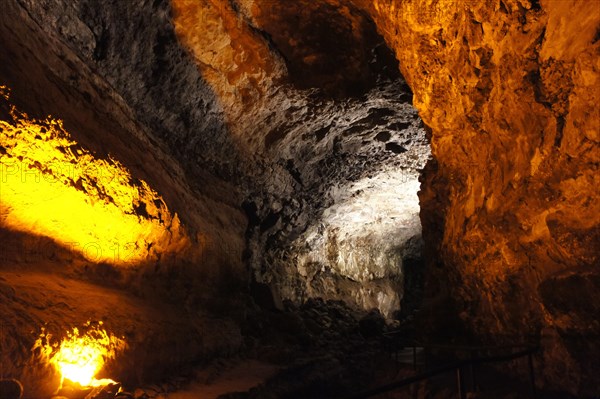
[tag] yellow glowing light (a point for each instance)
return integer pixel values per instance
(51, 186)
(80, 356)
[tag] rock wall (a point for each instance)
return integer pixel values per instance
(53, 304)
(510, 206)
(42, 282)
(50, 68)
(313, 96)
(299, 134)
(351, 216)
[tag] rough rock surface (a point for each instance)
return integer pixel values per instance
(309, 157)
(46, 77)
(336, 147)
(232, 107)
(510, 205)
(43, 283)
(343, 225)
(54, 303)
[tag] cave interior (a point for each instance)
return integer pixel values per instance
(299, 199)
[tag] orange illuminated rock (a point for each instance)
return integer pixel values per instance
(233, 58)
(81, 355)
(510, 90)
(53, 187)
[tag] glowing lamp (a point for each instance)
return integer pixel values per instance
(81, 356)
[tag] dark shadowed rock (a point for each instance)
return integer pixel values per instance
(10, 389)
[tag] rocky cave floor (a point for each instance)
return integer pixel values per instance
(318, 350)
(321, 349)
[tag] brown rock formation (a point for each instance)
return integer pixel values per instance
(510, 206)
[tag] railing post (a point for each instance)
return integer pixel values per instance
(472, 373)
(414, 357)
(532, 375)
(462, 393)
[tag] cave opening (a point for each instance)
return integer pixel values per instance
(349, 150)
(239, 199)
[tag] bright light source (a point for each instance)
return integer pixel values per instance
(53, 187)
(81, 356)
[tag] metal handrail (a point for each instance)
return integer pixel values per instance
(528, 351)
